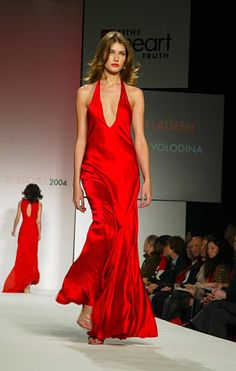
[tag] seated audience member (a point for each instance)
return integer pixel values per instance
(176, 306)
(162, 241)
(230, 232)
(215, 271)
(178, 262)
(220, 311)
(194, 248)
(152, 257)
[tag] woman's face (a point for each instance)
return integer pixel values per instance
(212, 250)
(116, 58)
(148, 248)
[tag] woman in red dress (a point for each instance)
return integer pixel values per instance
(25, 271)
(106, 277)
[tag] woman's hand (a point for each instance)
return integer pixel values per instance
(78, 198)
(206, 299)
(191, 289)
(219, 294)
(150, 288)
(146, 195)
(166, 288)
(13, 233)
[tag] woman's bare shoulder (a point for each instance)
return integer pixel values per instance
(86, 89)
(134, 93)
(85, 92)
(133, 90)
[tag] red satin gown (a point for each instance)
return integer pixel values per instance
(25, 271)
(107, 275)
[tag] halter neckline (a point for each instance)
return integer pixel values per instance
(118, 104)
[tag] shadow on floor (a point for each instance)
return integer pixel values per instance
(115, 354)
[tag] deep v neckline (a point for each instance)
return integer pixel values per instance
(117, 109)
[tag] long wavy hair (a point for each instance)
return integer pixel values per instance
(224, 255)
(32, 193)
(96, 66)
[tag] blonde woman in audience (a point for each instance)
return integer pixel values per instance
(152, 254)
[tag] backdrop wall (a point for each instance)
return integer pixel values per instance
(185, 137)
(39, 74)
(158, 30)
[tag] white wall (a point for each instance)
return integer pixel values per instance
(39, 74)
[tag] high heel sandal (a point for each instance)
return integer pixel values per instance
(94, 341)
(85, 321)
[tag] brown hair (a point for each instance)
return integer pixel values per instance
(96, 66)
(177, 244)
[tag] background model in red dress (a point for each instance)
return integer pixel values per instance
(25, 271)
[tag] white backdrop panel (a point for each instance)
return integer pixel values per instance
(39, 74)
(161, 217)
(158, 29)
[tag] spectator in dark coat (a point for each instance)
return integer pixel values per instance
(176, 306)
(178, 262)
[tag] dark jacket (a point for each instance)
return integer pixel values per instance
(169, 276)
(149, 265)
(231, 290)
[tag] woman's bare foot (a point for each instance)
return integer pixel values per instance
(85, 320)
(27, 289)
(94, 341)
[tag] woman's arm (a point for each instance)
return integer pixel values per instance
(38, 220)
(141, 146)
(80, 145)
(221, 274)
(17, 218)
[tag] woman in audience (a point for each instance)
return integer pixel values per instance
(216, 268)
(152, 256)
(220, 313)
(150, 274)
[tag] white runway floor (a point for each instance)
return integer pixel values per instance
(37, 334)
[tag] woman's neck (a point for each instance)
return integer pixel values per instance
(109, 79)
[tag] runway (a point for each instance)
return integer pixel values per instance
(37, 334)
